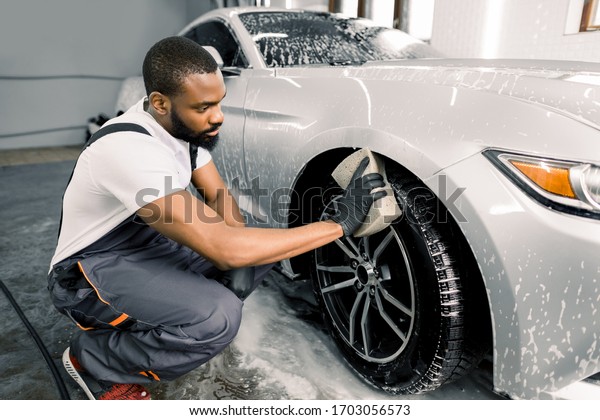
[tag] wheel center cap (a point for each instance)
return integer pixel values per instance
(365, 272)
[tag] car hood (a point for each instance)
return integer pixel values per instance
(569, 88)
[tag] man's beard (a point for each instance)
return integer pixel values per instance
(181, 131)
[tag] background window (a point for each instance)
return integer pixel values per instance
(590, 19)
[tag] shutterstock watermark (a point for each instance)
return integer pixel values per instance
(286, 206)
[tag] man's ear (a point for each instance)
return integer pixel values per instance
(160, 103)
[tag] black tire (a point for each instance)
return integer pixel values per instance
(404, 306)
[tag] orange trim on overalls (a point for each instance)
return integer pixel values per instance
(91, 284)
(150, 374)
(121, 318)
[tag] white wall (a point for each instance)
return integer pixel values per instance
(510, 29)
(62, 62)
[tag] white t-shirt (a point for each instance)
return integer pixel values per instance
(119, 174)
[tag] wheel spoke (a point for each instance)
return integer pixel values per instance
(340, 285)
(366, 245)
(335, 268)
(352, 244)
(381, 247)
(396, 302)
(346, 250)
(387, 319)
(359, 296)
(363, 327)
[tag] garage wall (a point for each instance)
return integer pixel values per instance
(62, 62)
(512, 29)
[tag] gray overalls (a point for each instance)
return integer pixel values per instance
(149, 308)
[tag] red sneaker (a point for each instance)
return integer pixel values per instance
(126, 392)
(94, 390)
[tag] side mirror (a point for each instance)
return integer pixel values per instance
(234, 71)
(215, 54)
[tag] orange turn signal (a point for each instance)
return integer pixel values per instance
(554, 179)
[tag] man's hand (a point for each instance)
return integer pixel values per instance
(352, 207)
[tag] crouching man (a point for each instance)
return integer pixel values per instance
(153, 276)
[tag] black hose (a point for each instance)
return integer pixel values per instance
(62, 389)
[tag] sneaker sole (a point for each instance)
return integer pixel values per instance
(75, 375)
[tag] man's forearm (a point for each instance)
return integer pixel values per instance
(192, 223)
(256, 246)
(226, 207)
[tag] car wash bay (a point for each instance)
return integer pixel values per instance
(281, 352)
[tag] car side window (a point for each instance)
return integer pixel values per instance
(217, 35)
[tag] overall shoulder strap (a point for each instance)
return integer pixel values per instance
(103, 131)
(114, 128)
(193, 155)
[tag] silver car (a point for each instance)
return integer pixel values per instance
(494, 163)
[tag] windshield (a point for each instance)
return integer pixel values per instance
(303, 38)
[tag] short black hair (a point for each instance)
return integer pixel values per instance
(171, 60)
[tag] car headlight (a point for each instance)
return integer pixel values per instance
(567, 186)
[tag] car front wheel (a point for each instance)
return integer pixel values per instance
(401, 304)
